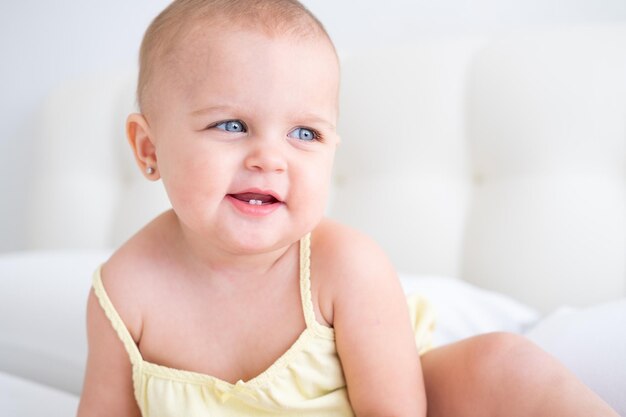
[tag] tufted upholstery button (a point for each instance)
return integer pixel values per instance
(478, 178)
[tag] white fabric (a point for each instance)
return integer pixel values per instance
(498, 161)
(23, 398)
(43, 299)
(548, 142)
(86, 169)
(592, 343)
(463, 310)
(402, 169)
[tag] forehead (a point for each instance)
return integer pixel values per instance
(212, 49)
(203, 31)
(218, 57)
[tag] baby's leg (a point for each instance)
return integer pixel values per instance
(502, 374)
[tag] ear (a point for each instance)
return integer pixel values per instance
(142, 144)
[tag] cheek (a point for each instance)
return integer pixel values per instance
(192, 176)
(317, 178)
(326, 168)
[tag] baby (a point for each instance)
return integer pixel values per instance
(243, 300)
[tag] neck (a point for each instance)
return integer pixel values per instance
(209, 259)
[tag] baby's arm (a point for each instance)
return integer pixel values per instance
(373, 333)
(108, 389)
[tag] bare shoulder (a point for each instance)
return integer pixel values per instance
(371, 321)
(108, 388)
(345, 261)
(130, 269)
(338, 249)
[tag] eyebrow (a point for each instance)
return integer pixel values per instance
(313, 118)
(212, 109)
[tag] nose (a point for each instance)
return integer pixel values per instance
(266, 156)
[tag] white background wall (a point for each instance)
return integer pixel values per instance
(44, 43)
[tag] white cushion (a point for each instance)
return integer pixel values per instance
(87, 173)
(402, 172)
(43, 298)
(548, 142)
(592, 343)
(463, 310)
(22, 398)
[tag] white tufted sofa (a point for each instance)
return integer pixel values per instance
(498, 161)
(501, 162)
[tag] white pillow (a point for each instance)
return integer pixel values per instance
(23, 398)
(463, 310)
(591, 342)
(43, 296)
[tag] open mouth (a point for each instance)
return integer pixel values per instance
(256, 199)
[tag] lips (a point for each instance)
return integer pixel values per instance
(255, 203)
(256, 197)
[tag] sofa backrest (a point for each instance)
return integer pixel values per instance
(502, 162)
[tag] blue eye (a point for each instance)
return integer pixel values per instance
(232, 126)
(304, 134)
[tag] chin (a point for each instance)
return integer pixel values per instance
(250, 242)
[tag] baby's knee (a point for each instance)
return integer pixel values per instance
(505, 359)
(484, 373)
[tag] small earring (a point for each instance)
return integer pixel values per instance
(149, 170)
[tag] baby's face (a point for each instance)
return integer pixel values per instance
(244, 130)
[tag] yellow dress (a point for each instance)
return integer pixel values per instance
(307, 380)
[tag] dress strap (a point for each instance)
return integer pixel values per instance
(115, 319)
(305, 291)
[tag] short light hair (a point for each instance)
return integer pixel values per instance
(273, 17)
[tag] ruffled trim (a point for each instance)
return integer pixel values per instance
(305, 292)
(120, 328)
(205, 379)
